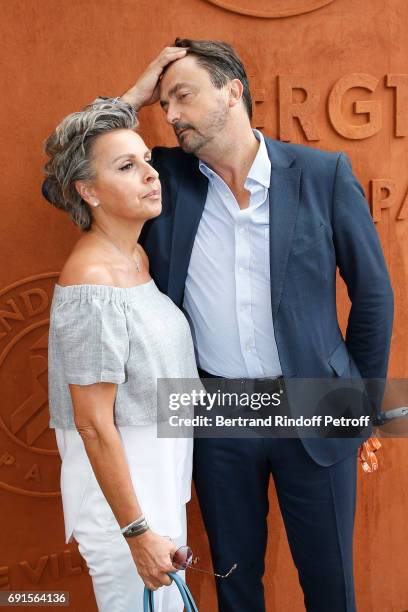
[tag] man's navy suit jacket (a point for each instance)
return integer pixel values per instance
(319, 220)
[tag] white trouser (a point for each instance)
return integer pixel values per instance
(117, 585)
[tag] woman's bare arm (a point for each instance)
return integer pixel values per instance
(93, 414)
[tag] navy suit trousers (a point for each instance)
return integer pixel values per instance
(317, 505)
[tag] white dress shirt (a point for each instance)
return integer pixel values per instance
(227, 295)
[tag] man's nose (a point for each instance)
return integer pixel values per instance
(173, 115)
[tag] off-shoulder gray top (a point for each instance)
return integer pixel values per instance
(129, 336)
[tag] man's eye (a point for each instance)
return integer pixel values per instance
(184, 95)
(126, 166)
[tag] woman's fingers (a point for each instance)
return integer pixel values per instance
(165, 580)
(152, 555)
(152, 585)
(157, 581)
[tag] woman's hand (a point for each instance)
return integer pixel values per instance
(152, 555)
(146, 89)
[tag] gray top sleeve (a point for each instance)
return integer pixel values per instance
(92, 342)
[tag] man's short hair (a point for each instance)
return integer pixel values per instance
(221, 62)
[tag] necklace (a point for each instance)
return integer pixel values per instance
(129, 257)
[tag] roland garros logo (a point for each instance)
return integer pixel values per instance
(29, 460)
(270, 9)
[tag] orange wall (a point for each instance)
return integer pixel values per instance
(326, 65)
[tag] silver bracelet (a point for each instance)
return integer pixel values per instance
(135, 528)
(136, 522)
(116, 100)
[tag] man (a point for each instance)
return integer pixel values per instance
(248, 242)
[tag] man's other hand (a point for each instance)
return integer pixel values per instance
(146, 89)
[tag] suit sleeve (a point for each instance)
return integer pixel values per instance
(362, 266)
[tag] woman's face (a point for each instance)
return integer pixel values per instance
(126, 185)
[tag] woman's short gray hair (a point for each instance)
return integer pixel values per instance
(69, 149)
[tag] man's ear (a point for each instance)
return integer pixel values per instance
(87, 193)
(236, 90)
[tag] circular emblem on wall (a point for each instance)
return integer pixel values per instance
(29, 460)
(270, 9)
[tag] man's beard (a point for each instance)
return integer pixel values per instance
(195, 139)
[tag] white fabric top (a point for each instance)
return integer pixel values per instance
(228, 294)
(160, 469)
(128, 336)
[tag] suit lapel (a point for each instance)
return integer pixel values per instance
(190, 201)
(283, 207)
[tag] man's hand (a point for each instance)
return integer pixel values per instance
(146, 89)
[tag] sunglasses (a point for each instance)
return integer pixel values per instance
(183, 559)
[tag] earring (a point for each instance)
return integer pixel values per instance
(95, 203)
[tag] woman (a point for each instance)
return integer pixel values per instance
(112, 334)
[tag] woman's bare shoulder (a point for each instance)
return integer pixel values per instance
(84, 275)
(85, 267)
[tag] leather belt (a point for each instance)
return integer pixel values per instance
(247, 385)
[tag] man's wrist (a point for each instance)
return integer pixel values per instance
(126, 98)
(130, 97)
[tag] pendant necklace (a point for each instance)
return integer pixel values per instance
(129, 257)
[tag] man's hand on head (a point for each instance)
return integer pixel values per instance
(146, 89)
